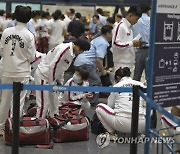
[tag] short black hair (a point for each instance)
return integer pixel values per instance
(121, 72)
(2, 12)
(57, 14)
(110, 20)
(8, 15)
(78, 15)
(84, 73)
(22, 13)
(72, 10)
(43, 14)
(145, 8)
(35, 13)
(99, 11)
(96, 16)
(62, 17)
(106, 29)
(83, 43)
(119, 16)
(136, 10)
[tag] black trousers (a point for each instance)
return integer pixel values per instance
(140, 63)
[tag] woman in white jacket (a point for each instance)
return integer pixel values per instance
(116, 115)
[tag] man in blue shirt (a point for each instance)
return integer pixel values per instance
(93, 58)
(102, 20)
(142, 27)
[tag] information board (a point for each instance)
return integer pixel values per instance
(166, 69)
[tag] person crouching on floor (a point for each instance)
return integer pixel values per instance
(116, 115)
(76, 97)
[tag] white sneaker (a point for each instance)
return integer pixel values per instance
(1, 132)
(113, 137)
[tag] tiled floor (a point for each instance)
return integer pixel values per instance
(85, 147)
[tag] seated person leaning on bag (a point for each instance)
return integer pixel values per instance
(116, 115)
(79, 98)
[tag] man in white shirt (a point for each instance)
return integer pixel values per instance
(51, 68)
(17, 48)
(57, 30)
(123, 43)
(142, 27)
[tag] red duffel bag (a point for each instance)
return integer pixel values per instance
(32, 131)
(71, 108)
(70, 127)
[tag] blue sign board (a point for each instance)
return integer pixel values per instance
(166, 66)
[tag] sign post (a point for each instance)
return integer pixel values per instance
(164, 55)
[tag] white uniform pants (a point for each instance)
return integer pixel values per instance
(45, 100)
(113, 122)
(6, 98)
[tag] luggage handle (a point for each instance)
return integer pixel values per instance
(31, 119)
(61, 124)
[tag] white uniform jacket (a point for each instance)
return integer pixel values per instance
(122, 102)
(56, 61)
(18, 49)
(122, 45)
(75, 97)
(36, 61)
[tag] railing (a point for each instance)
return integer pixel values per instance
(18, 87)
(155, 106)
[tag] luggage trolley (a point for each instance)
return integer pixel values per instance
(170, 132)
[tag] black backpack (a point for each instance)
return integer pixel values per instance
(96, 126)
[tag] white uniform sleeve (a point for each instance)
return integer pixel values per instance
(59, 64)
(111, 100)
(76, 96)
(118, 41)
(31, 49)
(1, 47)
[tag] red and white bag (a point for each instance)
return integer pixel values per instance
(70, 126)
(32, 131)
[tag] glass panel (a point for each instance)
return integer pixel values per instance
(33, 6)
(2, 6)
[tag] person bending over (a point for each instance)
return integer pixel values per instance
(51, 69)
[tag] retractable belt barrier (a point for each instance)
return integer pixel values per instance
(90, 89)
(71, 88)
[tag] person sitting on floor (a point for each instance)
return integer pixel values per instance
(116, 115)
(75, 97)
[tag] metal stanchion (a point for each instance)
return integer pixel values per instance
(17, 88)
(135, 119)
